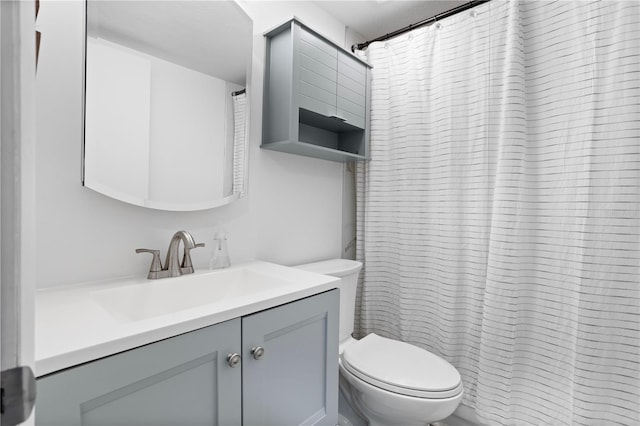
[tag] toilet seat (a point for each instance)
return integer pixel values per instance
(401, 368)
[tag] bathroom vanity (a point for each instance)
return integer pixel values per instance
(256, 344)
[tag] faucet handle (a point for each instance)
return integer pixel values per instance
(156, 263)
(186, 259)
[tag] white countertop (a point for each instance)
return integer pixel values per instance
(73, 327)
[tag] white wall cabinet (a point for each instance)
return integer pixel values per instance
(316, 96)
(287, 375)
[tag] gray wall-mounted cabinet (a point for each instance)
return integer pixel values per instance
(187, 379)
(316, 96)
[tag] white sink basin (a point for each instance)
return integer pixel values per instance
(165, 296)
(83, 322)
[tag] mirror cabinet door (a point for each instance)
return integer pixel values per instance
(165, 116)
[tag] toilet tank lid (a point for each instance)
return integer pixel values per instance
(333, 267)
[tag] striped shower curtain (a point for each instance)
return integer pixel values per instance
(498, 218)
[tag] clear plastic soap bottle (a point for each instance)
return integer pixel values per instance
(219, 254)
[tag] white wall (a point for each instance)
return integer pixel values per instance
(292, 214)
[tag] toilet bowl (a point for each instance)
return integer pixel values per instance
(386, 381)
(393, 383)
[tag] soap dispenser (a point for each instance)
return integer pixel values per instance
(219, 255)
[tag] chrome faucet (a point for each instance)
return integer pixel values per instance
(172, 267)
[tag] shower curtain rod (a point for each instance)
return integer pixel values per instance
(435, 18)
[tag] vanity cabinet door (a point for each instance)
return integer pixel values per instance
(184, 380)
(295, 381)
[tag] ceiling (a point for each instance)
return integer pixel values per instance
(180, 31)
(374, 18)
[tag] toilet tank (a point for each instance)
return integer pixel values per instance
(347, 271)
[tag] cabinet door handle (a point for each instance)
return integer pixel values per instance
(257, 352)
(233, 360)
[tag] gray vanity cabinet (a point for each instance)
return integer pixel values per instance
(187, 379)
(316, 96)
(184, 380)
(295, 380)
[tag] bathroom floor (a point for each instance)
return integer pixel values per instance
(348, 414)
(355, 420)
(453, 421)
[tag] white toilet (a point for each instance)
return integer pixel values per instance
(387, 381)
